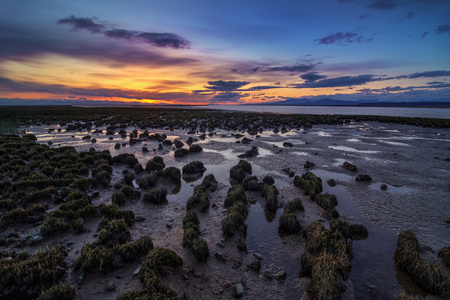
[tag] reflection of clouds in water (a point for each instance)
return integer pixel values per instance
(349, 149)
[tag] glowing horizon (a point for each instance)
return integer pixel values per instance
(203, 54)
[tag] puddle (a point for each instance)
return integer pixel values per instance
(349, 149)
(392, 188)
(353, 140)
(301, 153)
(262, 237)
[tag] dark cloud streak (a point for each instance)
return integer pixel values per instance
(82, 23)
(298, 68)
(342, 38)
(225, 86)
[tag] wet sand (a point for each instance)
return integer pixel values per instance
(410, 160)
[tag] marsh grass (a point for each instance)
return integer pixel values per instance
(429, 276)
(60, 291)
(27, 276)
(327, 260)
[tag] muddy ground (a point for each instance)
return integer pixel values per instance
(412, 161)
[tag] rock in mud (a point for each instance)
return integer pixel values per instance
(309, 164)
(280, 275)
(34, 240)
(363, 177)
(383, 187)
(349, 166)
(238, 290)
(288, 144)
(331, 182)
(220, 256)
(255, 265)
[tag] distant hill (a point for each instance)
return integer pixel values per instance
(332, 102)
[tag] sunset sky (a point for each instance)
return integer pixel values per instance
(227, 52)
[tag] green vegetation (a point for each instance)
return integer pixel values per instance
(236, 202)
(113, 212)
(173, 174)
(239, 171)
(59, 291)
(148, 181)
(270, 193)
(155, 164)
(328, 203)
(156, 196)
(429, 276)
(250, 183)
(198, 198)
(327, 260)
(310, 184)
(193, 167)
(235, 194)
(445, 255)
(27, 276)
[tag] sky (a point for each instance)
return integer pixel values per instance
(224, 52)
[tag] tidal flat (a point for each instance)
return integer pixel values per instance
(124, 212)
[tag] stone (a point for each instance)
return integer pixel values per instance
(383, 187)
(331, 182)
(308, 164)
(257, 256)
(34, 240)
(136, 272)
(349, 166)
(288, 144)
(109, 287)
(220, 256)
(140, 219)
(238, 290)
(255, 265)
(363, 177)
(220, 245)
(169, 226)
(280, 275)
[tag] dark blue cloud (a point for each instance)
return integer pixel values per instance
(226, 97)
(430, 74)
(342, 38)
(313, 76)
(82, 23)
(443, 28)
(424, 34)
(336, 82)
(171, 40)
(298, 68)
(157, 39)
(225, 86)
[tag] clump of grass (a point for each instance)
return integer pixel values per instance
(270, 193)
(237, 202)
(210, 182)
(173, 174)
(250, 183)
(295, 204)
(289, 222)
(130, 193)
(159, 258)
(60, 291)
(113, 212)
(155, 164)
(27, 276)
(326, 259)
(239, 171)
(406, 296)
(190, 217)
(193, 167)
(428, 276)
(181, 152)
(445, 255)
(235, 194)
(200, 250)
(268, 180)
(195, 148)
(103, 178)
(118, 198)
(191, 233)
(310, 183)
(13, 216)
(156, 196)
(128, 178)
(198, 198)
(328, 203)
(116, 231)
(148, 181)
(52, 225)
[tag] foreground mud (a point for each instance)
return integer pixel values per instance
(412, 164)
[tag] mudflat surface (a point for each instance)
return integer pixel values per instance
(411, 161)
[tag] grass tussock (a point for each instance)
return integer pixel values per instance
(60, 291)
(156, 195)
(310, 184)
(240, 171)
(328, 203)
(173, 174)
(445, 255)
(429, 276)
(27, 276)
(270, 193)
(327, 260)
(194, 167)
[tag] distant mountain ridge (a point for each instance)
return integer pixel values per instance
(332, 102)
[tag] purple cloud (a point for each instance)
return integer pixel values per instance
(336, 82)
(225, 86)
(342, 38)
(298, 68)
(82, 23)
(313, 76)
(443, 28)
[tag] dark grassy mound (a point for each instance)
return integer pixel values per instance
(428, 276)
(310, 184)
